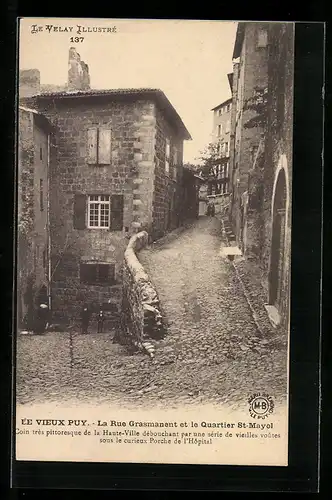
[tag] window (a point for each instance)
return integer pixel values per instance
(228, 107)
(219, 130)
(227, 148)
(167, 155)
(227, 169)
(41, 153)
(228, 124)
(220, 111)
(99, 211)
(92, 273)
(41, 195)
(99, 146)
(262, 38)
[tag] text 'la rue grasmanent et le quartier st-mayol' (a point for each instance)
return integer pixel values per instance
(126, 432)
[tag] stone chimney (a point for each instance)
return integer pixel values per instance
(29, 82)
(78, 72)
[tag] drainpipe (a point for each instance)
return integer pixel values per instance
(49, 269)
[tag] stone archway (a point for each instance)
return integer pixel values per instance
(279, 215)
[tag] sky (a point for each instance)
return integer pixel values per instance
(188, 60)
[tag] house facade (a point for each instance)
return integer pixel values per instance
(117, 170)
(218, 182)
(249, 73)
(261, 154)
(33, 272)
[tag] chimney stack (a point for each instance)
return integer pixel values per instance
(78, 72)
(29, 82)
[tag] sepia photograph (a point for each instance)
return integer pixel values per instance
(154, 200)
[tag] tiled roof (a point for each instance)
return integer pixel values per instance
(38, 116)
(157, 94)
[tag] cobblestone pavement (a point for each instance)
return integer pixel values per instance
(213, 352)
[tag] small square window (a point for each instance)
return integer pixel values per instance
(102, 274)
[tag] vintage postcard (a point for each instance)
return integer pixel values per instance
(154, 172)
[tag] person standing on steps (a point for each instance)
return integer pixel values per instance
(42, 318)
(85, 318)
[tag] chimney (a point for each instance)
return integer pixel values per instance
(78, 72)
(29, 82)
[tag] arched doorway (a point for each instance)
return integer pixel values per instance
(278, 240)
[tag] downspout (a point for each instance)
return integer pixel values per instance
(49, 269)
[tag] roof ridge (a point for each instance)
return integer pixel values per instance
(158, 93)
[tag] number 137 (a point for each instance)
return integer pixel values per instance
(77, 39)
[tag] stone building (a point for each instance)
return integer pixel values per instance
(33, 271)
(218, 184)
(249, 73)
(261, 154)
(118, 170)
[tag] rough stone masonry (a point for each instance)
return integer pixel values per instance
(142, 319)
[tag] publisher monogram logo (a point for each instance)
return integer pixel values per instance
(260, 405)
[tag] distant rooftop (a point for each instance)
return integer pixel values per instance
(156, 94)
(222, 104)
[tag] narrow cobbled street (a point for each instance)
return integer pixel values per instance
(213, 352)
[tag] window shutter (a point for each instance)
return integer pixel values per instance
(92, 145)
(116, 212)
(104, 147)
(79, 211)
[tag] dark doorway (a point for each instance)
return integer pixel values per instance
(278, 241)
(42, 296)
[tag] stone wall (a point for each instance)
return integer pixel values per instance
(32, 212)
(142, 319)
(256, 205)
(25, 202)
(278, 146)
(167, 198)
(251, 72)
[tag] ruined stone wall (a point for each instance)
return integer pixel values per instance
(78, 72)
(142, 319)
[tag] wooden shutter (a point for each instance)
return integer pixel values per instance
(104, 146)
(116, 212)
(79, 211)
(92, 145)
